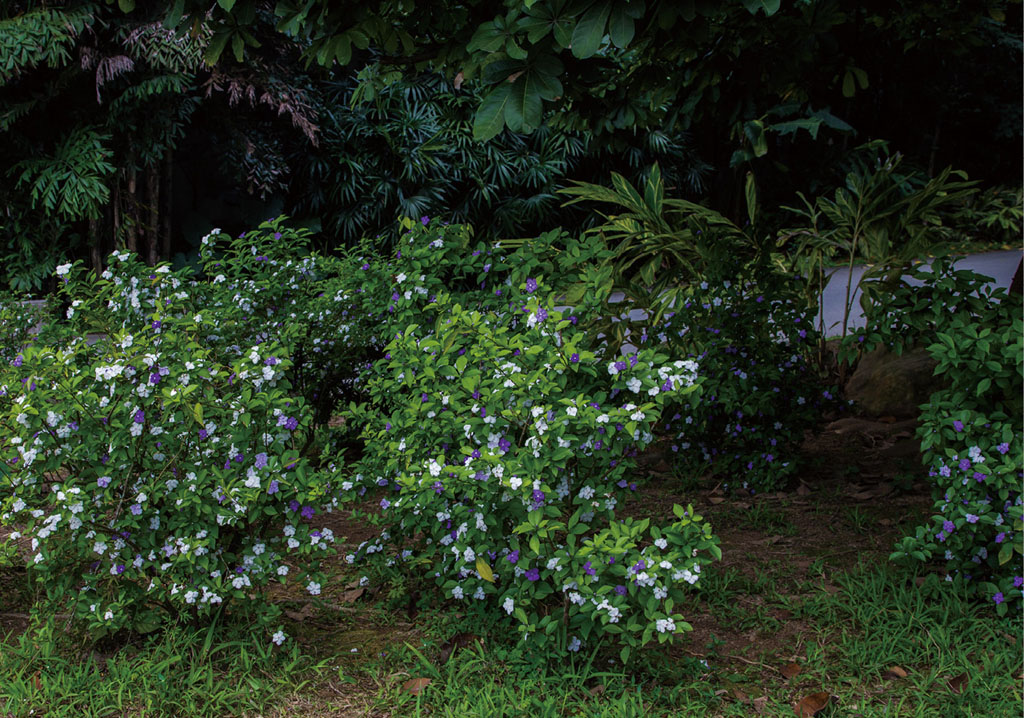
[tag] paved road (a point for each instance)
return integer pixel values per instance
(999, 265)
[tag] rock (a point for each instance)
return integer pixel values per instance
(892, 384)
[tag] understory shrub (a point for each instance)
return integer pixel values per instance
(971, 429)
(752, 337)
(499, 443)
(150, 480)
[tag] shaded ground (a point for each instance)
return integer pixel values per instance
(775, 622)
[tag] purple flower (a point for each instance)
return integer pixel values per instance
(531, 285)
(203, 433)
(261, 460)
(425, 220)
(293, 505)
(1000, 537)
(620, 366)
(119, 569)
(575, 358)
(965, 464)
(136, 509)
(273, 488)
(18, 360)
(979, 476)
(1018, 581)
(972, 519)
(438, 487)
(103, 482)
(948, 526)
(513, 557)
(1003, 448)
(140, 417)
(542, 314)
(384, 503)
(587, 569)
(307, 512)
(621, 590)
(292, 424)
(958, 425)
(533, 575)
(998, 598)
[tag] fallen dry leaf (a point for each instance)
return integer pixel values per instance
(597, 689)
(790, 669)
(958, 683)
(863, 495)
(760, 704)
(739, 695)
(459, 640)
(802, 490)
(300, 615)
(351, 595)
(716, 499)
(415, 685)
(894, 672)
(885, 522)
(811, 705)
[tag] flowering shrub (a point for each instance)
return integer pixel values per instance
(971, 429)
(150, 479)
(752, 338)
(16, 323)
(499, 445)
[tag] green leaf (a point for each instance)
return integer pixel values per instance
(620, 27)
(586, 38)
(226, 4)
(174, 14)
(770, 7)
(524, 110)
(1005, 553)
(754, 131)
(490, 116)
(126, 5)
(849, 88)
(217, 44)
(751, 194)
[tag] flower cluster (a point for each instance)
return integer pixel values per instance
(498, 445)
(970, 429)
(146, 478)
(752, 339)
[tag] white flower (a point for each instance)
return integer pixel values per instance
(63, 269)
(314, 588)
(457, 592)
(661, 543)
(666, 625)
(278, 638)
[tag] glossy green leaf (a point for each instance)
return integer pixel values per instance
(490, 116)
(589, 32)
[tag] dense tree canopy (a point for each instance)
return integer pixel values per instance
(115, 117)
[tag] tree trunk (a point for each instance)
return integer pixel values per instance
(153, 219)
(95, 248)
(115, 215)
(165, 205)
(131, 237)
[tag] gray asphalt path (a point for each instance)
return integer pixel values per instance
(999, 265)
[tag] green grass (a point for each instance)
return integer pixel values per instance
(181, 672)
(844, 628)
